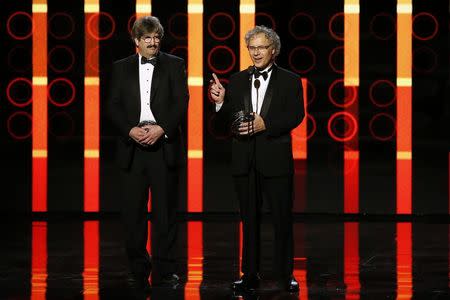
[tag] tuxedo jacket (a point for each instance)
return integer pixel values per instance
(270, 151)
(169, 97)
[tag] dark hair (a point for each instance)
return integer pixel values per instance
(147, 24)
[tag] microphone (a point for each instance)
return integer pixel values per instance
(257, 83)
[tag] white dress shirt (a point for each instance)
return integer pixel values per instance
(145, 84)
(258, 102)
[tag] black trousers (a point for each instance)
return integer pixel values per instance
(279, 193)
(149, 171)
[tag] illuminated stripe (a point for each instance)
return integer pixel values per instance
(195, 8)
(404, 155)
(247, 8)
(195, 81)
(39, 153)
(351, 85)
(39, 258)
(351, 154)
(404, 261)
(91, 153)
(404, 82)
(247, 22)
(195, 110)
(351, 81)
(143, 8)
(351, 8)
(405, 8)
(404, 107)
(91, 8)
(194, 260)
(91, 260)
(39, 8)
(40, 80)
(91, 114)
(351, 260)
(39, 107)
(93, 81)
(195, 154)
(299, 134)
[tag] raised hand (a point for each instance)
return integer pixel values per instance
(216, 90)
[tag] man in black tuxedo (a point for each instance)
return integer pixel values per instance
(262, 105)
(147, 101)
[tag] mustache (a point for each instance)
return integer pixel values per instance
(149, 47)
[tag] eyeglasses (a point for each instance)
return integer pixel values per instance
(258, 48)
(148, 39)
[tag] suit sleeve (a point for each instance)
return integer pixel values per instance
(180, 92)
(114, 107)
(294, 112)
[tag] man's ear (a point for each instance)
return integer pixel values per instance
(136, 42)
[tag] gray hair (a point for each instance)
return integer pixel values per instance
(270, 34)
(147, 24)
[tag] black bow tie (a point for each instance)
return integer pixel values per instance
(263, 74)
(145, 60)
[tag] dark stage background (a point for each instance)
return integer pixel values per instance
(312, 45)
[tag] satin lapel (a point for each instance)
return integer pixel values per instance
(247, 95)
(269, 93)
(135, 91)
(156, 77)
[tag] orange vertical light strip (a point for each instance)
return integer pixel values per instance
(38, 260)
(351, 85)
(247, 10)
(404, 261)
(302, 277)
(195, 111)
(404, 106)
(143, 8)
(351, 260)
(299, 134)
(39, 107)
(300, 152)
(91, 260)
(194, 260)
(91, 109)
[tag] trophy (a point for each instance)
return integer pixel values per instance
(238, 118)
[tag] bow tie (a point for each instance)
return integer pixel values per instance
(145, 60)
(263, 74)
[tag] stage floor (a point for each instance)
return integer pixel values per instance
(73, 258)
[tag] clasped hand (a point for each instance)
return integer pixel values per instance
(146, 135)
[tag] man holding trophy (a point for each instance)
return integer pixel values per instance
(262, 105)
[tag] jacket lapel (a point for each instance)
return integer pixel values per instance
(269, 93)
(248, 95)
(156, 76)
(135, 92)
